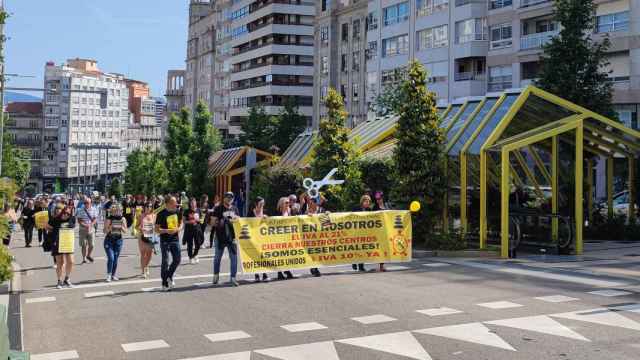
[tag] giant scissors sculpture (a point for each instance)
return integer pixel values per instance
(313, 187)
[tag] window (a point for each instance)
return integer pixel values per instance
(500, 77)
(428, 7)
(530, 70)
(372, 21)
(345, 32)
(372, 50)
(398, 45)
(612, 22)
(471, 30)
(501, 36)
(324, 35)
(432, 38)
(356, 90)
(355, 61)
(498, 4)
(356, 29)
(324, 5)
(343, 63)
(395, 14)
(393, 76)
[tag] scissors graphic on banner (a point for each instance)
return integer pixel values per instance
(313, 187)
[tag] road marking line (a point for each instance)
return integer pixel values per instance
(610, 293)
(62, 355)
(475, 333)
(439, 311)
(151, 289)
(600, 316)
(98, 294)
(245, 355)
(397, 268)
(315, 351)
(401, 343)
(202, 284)
(541, 324)
(542, 274)
(556, 298)
(497, 305)
(227, 336)
(373, 319)
(40, 300)
(435, 265)
(144, 345)
(310, 326)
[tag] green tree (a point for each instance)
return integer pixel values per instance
(8, 189)
(206, 141)
(146, 173)
(388, 101)
(273, 182)
(259, 129)
(15, 162)
(116, 188)
(332, 149)
(178, 150)
(572, 64)
(419, 155)
(289, 124)
(378, 175)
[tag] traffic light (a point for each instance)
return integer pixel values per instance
(103, 98)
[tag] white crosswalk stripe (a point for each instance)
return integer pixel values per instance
(245, 355)
(39, 300)
(90, 295)
(401, 343)
(556, 298)
(498, 305)
(542, 324)
(144, 345)
(600, 316)
(373, 319)
(473, 333)
(610, 293)
(314, 351)
(227, 336)
(310, 326)
(61, 355)
(439, 311)
(436, 265)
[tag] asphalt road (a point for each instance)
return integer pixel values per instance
(427, 309)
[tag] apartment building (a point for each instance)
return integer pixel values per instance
(340, 55)
(85, 117)
(24, 127)
(471, 47)
(271, 56)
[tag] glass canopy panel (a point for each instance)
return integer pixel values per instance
(462, 119)
(466, 135)
(450, 115)
(535, 112)
(492, 123)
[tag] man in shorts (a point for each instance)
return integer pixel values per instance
(88, 218)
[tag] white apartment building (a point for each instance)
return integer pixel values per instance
(271, 56)
(83, 129)
(471, 47)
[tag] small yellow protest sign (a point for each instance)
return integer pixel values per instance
(42, 218)
(66, 241)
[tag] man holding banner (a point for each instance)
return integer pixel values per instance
(224, 215)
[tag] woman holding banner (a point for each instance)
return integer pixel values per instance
(62, 239)
(380, 206)
(284, 209)
(365, 205)
(313, 208)
(257, 211)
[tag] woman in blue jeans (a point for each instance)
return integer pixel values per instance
(114, 226)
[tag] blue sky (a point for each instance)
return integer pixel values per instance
(139, 38)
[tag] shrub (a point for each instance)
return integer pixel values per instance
(274, 182)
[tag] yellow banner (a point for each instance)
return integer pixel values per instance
(300, 242)
(66, 241)
(42, 218)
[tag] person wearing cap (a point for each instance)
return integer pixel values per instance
(222, 218)
(168, 225)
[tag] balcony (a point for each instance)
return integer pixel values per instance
(468, 76)
(529, 3)
(536, 41)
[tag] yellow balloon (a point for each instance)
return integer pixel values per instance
(415, 206)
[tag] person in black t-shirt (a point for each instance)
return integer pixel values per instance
(168, 224)
(192, 236)
(28, 222)
(62, 219)
(222, 218)
(115, 225)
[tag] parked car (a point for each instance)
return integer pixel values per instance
(620, 204)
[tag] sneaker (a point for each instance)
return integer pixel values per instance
(90, 259)
(289, 275)
(361, 268)
(83, 261)
(59, 286)
(172, 283)
(280, 276)
(382, 268)
(108, 279)
(234, 282)
(68, 283)
(197, 260)
(166, 288)
(216, 277)
(257, 278)
(265, 278)
(115, 278)
(354, 266)
(146, 273)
